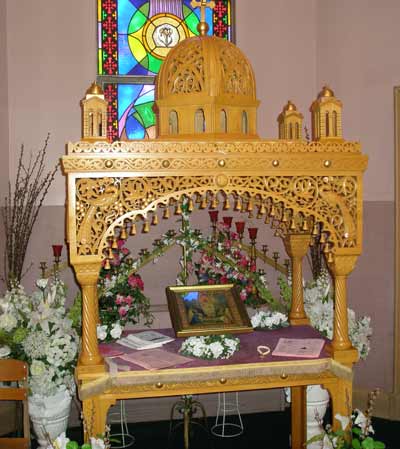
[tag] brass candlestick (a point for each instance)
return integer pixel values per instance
(43, 268)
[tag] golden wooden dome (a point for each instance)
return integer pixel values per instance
(209, 76)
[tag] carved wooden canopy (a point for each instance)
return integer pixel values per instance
(298, 185)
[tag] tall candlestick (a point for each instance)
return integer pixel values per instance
(213, 216)
(227, 221)
(240, 229)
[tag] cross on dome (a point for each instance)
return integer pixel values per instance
(203, 4)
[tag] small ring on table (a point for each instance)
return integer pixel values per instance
(263, 350)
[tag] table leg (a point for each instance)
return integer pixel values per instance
(95, 412)
(299, 416)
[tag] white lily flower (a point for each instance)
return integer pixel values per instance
(42, 283)
(101, 332)
(60, 442)
(97, 443)
(344, 420)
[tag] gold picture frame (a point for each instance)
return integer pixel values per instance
(207, 309)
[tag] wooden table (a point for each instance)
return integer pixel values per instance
(100, 391)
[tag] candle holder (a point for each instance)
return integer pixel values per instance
(253, 252)
(264, 249)
(214, 218)
(287, 265)
(240, 229)
(43, 268)
(57, 250)
(228, 223)
(275, 256)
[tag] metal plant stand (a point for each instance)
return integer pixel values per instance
(187, 407)
(124, 438)
(228, 422)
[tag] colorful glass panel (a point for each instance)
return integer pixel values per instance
(134, 37)
(133, 104)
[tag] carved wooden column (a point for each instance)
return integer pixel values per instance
(87, 275)
(340, 268)
(296, 246)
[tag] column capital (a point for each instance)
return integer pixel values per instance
(342, 265)
(87, 272)
(297, 245)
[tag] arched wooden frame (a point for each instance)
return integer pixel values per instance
(300, 185)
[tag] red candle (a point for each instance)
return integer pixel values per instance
(239, 227)
(253, 233)
(57, 250)
(213, 216)
(227, 221)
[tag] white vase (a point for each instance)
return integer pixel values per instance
(317, 404)
(49, 415)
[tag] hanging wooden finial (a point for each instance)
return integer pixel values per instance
(146, 227)
(202, 27)
(123, 234)
(114, 243)
(107, 265)
(190, 205)
(203, 203)
(154, 220)
(133, 229)
(227, 205)
(166, 213)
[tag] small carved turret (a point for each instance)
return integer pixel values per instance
(290, 123)
(326, 116)
(94, 114)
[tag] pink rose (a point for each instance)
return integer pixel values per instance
(135, 281)
(243, 295)
(211, 281)
(122, 311)
(128, 300)
(125, 251)
(119, 299)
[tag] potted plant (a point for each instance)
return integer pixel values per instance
(35, 328)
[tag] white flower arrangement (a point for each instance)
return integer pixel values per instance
(269, 320)
(210, 347)
(318, 305)
(36, 329)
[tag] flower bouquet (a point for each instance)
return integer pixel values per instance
(210, 347)
(36, 329)
(222, 261)
(318, 304)
(121, 297)
(356, 431)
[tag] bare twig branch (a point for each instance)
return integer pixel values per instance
(21, 209)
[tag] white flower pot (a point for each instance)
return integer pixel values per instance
(317, 404)
(49, 415)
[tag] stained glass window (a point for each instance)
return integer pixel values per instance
(134, 37)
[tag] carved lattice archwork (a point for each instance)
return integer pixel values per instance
(105, 203)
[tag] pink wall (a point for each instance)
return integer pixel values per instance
(357, 53)
(279, 38)
(294, 46)
(51, 62)
(4, 154)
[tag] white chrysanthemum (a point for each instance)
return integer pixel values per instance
(8, 322)
(37, 368)
(36, 344)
